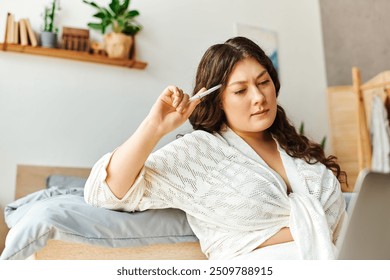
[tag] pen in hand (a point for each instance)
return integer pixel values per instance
(203, 94)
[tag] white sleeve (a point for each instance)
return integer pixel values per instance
(172, 177)
(98, 193)
(333, 202)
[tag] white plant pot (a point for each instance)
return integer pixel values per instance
(117, 45)
(48, 39)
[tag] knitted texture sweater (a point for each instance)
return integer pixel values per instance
(234, 201)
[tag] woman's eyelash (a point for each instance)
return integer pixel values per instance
(239, 91)
(263, 82)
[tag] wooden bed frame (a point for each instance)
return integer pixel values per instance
(3, 230)
(32, 178)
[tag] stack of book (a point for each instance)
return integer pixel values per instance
(19, 32)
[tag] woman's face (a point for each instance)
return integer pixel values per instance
(249, 99)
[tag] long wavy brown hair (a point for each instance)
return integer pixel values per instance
(215, 67)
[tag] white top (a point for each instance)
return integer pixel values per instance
(234, 201)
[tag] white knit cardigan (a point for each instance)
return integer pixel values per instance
(234, 201)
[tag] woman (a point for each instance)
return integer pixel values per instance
(251, 186)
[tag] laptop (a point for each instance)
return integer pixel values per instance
(366, 234)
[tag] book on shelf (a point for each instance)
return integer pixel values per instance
(30, 32)
(23, 33)
(6, 32)
(16, 32)
(10, 29)
(19, 32)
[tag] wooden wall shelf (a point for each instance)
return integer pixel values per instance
(75, 55)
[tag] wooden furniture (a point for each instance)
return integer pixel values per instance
(60, 250)
(75, 39)
(349, 119)
(75, 45)
(74, 55)
(33, 178)
(3, 230)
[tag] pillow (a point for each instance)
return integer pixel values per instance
(64, 181)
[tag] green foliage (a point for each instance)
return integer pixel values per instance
(302, 132)
(48, 17)
(302, 129)
(117, 15)
(323, 142)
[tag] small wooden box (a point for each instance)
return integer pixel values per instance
(75, 39)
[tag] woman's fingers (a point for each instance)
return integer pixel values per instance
(171, 93)
(182, 106)
(180, 100)
(177, 97)
(191, 107)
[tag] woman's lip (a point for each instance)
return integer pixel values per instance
(260, 112)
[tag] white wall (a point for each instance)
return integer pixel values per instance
(69, 113)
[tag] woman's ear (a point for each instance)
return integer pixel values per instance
(220, 104)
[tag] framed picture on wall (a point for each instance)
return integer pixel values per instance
(266, 39)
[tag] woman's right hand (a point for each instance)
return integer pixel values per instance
(171, 110)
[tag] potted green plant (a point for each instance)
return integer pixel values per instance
(117, 23)
(49, 33)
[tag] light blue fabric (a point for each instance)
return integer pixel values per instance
(60, 212)
(64, 181)
(348, 197)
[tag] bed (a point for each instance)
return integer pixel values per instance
(41, 230)
(98, 234)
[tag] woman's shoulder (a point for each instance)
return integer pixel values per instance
(200, 140)
(196, 144)
(204, 136)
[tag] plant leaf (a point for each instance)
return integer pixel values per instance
(106, 22)
(97, 26)
(302, 129)
(101, 10)
(131, 28)
(323, 142)
(115, 6)
(123, 7)
(132, 14)
(100, 15)
(93, 4)
(108, 13)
